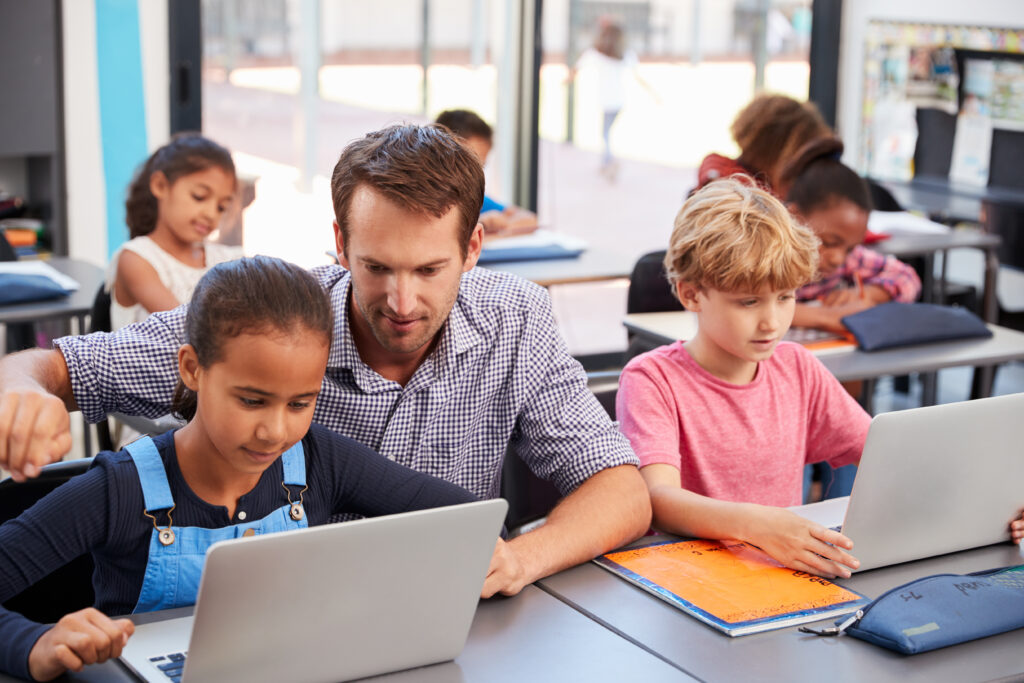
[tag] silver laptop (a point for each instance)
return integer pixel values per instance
(933, 480)
(329, 603)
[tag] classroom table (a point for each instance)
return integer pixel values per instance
(529, 637)
(593, 265)
(853, 364)
(926, 245)
(787, 655)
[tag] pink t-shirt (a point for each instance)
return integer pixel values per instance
(744, 443)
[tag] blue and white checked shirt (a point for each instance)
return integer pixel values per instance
(500, 375)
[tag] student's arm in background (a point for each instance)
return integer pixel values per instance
(650, 418)
(885, 278)
(137, 282)
(1017, 527)
(827, 317)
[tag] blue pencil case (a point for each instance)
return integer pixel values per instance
(940, 610)
(895, 324)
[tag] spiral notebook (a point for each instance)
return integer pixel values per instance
(732, 586)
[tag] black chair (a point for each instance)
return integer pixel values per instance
(529, 497)
(649, 292)
(99, 321)
(67, 589)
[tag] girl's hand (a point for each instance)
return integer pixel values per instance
(801, 544)
(872, 295)
(84, 637)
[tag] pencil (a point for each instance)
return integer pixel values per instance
(860, 284)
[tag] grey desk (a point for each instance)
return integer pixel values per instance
(785, 654)
(593, 265)
(853, 364)
(926, 245)
(530, 637)
(75, 306)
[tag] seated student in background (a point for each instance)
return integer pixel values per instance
(834, 202)
(769, 131)
(497, 218)
(259, 332)
(175, 201)
(724, 423)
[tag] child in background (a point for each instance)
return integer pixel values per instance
(834, 202)
(724, 423)
(176, 200)
(258, 334)
(476, 134)
(769, 132)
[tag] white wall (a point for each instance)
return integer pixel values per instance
(86, 188)
(857, 14)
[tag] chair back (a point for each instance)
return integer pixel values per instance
(67, 589)
(649, 291)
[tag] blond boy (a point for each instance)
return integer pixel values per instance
(724, 423)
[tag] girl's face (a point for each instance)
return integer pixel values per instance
(258, 400)
(191, 207)
(840, 226)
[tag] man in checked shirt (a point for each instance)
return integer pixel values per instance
(436, 364)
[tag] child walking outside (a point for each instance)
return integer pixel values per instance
(175, 201)
(724, 423)
(258, 333)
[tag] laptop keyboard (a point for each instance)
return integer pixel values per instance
(172, 665)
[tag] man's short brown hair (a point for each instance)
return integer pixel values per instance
(423, 169)
(735, 237)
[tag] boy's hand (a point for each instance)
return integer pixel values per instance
(799, 543)
(1017, 528)
(35, 430)
(506, 575)
(80, 638)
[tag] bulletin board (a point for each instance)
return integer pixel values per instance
(973, 76)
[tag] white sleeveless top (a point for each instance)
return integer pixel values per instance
(176, 276)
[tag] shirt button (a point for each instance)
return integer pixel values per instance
(241, 514)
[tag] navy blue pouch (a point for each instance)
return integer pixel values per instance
(940, 610)
(17, 288)
(897, 324)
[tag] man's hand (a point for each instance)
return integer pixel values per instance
(35, 430)
(506, 575)
(801, 544)
(80, 638)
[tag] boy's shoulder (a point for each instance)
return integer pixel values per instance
(671, 358)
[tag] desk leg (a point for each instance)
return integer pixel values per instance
(983, 381)
(989, 302)
(928, 281)
(929, 388)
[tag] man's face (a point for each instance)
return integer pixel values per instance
(481, 147)
(405, 270)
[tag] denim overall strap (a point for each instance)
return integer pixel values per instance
(173, 570)
(155, 491)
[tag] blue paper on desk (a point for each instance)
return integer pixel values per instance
(537, 246)
(22, 281)
(894, 324)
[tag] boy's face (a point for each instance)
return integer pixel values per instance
(737, 330)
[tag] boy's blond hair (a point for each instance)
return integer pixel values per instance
(734, 237)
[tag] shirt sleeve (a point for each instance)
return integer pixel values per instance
(132, 371)
(562, 433)
(897, 278)
(837, 425)
(648, 415)
(369, 484)
(40, 540)
(491, 205)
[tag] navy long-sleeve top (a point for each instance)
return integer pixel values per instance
(101, 511)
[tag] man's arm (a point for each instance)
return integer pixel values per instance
(607, 510)
(35, 397)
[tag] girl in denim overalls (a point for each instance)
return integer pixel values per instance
(248, 462)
